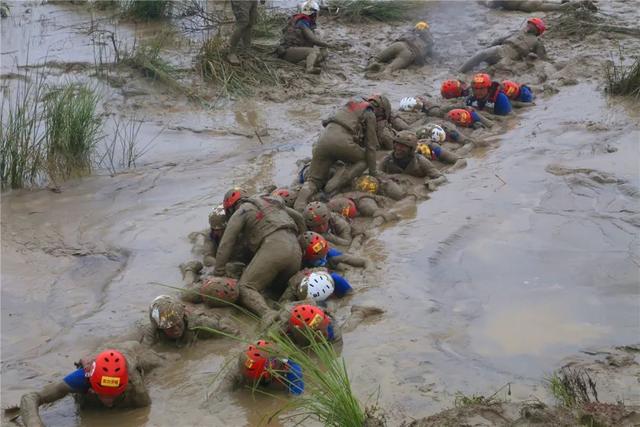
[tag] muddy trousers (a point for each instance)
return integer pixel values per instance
(246, 13)
(278, 258)
(335, 143)
(312, 56)
(530, 6)
(398, 55)
(491, 56)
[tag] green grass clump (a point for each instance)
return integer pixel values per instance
(146, 58)
(72, 130)
(382, 10)
(4, 9)
(572, 388)
(270, 23)
(623, 80)
(146, 10)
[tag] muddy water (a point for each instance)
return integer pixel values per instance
(522, 259)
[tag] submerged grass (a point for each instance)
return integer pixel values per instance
(378, 10)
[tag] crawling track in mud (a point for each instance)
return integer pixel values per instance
(522, 259)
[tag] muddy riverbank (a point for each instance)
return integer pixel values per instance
(527, 256)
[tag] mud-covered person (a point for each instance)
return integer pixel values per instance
(351, 136)
(431, 148)
(270, 229)
(333, 227)
(413, 47)
(246, 14)
(520, 95)
(317, 252)
(299, 41)
(537, 5)
(523, 44)
(488, 95)
(171, 321)
(113, 378)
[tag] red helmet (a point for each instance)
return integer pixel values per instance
(306, 315)
(539, 24)
(109, 375)
(511, 89)
(314, 246)
(381, 106)
(481, 80)
(222, 289)
(316, 216)
(256, 361)
(289, 196)
(231, 199)
(460, 117)
(451, 89)
(344, 206)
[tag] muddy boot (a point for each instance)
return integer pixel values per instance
(308, 189)
(233, 59)
(191, 271)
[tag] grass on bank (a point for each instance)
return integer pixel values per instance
(270, 22)
(376, 10)
(146, 10)
(623, 80)
(572, 387)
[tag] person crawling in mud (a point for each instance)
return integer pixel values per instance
(537, 5)
(299, 41)
(432, 150)
(270, 230)
(333, 227)
(487, 93)
(523, 44)
(405, 160)
(451, 134)
(317, 252)
(113, 378)
(287, 194)
(359, 203)
(413, 47)
(316, 284)
(520, 95)
(450, 89)
(351, 136)
(468, 118)
(171, 321)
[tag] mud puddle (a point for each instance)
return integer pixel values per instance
(525, 257)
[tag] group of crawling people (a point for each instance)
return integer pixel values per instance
(281, 253)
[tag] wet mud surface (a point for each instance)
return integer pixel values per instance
(526, 257)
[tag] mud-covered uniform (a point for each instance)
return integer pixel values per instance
(139, 362)
(342, 285)
(299, 42)
(528, 5)
(339, 232)
(498, 103)
(370, 205)
(413, 47)
(270, 229)
(386, 129)
(433, 151)
(349, 136)
(246, 13)
(151, 334)
(414, 165)
(514, 47)
(333, 259)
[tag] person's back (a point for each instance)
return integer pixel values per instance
(264, 215)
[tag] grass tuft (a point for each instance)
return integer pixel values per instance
(623, 80)
(572, 387)
(270, 23)
(146, 10)
(383, 10)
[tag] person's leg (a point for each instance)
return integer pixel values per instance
(241, 11)
(253, 18)
(490, 55)
(403, 59)
(297, 54)
(348, 174)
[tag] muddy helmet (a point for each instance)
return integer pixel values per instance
(438, 134)
(410, 104)
(460, 117)
(217, 218)
(367, 184)
(314, 246)
(407, 138)
(232, 198)
(344, 206)
(511, 89)
(223, 290)
(424, 150)
(381, 106)
(425, 131)
(318, 286)
(256, 362)
(316, 217)
(288, 195)
(452, 89)
(310, 316)
(109, 375)
(165, 312)
(481, 80)
(539, 24)
(309, 7)
(421, 26)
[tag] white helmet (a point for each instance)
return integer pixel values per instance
(408, 104)
(438, 134)
(309, 7)
(319, 285)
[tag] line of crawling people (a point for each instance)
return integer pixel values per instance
(285, 253)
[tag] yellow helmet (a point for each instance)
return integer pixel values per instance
(367, 184)
(424, 149)
(421, 26)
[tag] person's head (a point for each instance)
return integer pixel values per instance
(288, 195)
(108, 376)
(411, 103)
(232, 200)
(255, 362)
(318, 286)
(310, 8)
(167, 314)
(218, 220)
(306, 319)
(344, 206)
(367, 184)
(438, 135)
(421, 26)
(536, 26)
(453, 89)
(314, 247)
(381, 106)
(460, 117)
(404, 144)
(219, 291)
(511, 89)
(480, 85)
(316, 216)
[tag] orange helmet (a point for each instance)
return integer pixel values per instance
(460, 117)
(511, 89)
(539, 24)
(288, 195)
(306, 315)
(109, 375)
(316, 216)
(451, 89)
(481, 80)
(232, 197)
(344, 206)
(222, 289)
(256, 363)
(314, 246)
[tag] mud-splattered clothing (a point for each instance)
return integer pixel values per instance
(414, 165)
(246, 14)
(293, 34)
(151, 334)
(499, 103)
(432, 151)
(339, 232)
(420, 43)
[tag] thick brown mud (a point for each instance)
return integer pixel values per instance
(527, 256)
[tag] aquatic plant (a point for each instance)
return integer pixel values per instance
(572, 387)
(383, 10)
(145, 57)
(146, 9)
(623, 80)
(72, 130)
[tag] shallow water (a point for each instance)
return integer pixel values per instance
(513, 265)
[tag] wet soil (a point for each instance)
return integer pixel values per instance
(527, 256)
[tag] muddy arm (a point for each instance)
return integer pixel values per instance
(520, 104)
(398, 124)
(136, 389)
(485, 121)
(30, 402)
(540, 50)
(214, 322)
(342, 229)
(352, 260)
(228, 242)
(148, 335)
(299, 220)
(427, 169)
(371, 140)
(311, 36)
